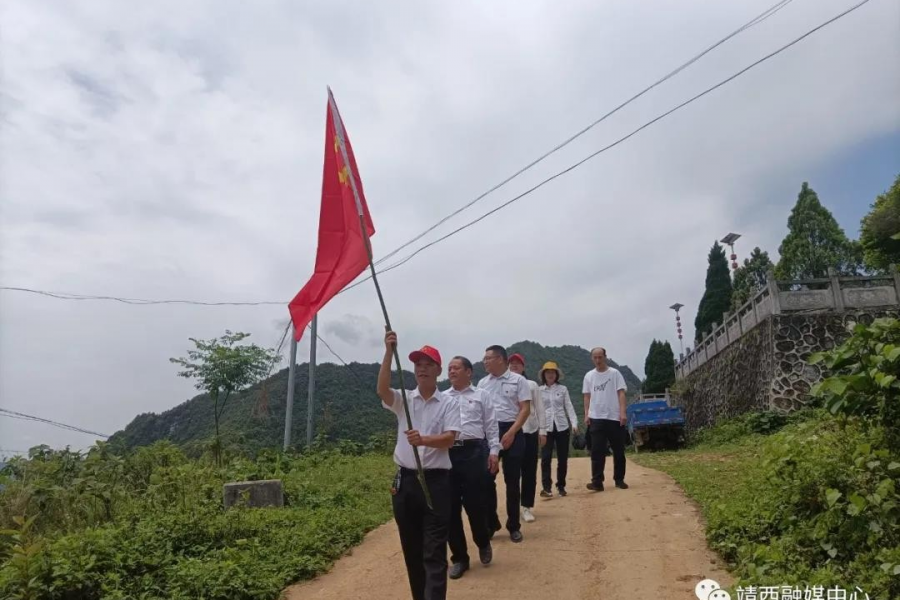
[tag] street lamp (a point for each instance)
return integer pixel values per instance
(677, 307)
(729, 241)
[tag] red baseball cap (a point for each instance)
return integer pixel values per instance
(517, 357)
(426, 352)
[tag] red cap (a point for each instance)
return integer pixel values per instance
(517, 357)
(427, 352)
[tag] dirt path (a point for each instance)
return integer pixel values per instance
(644, 542)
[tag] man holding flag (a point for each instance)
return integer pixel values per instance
(431, 420)
(435, 424)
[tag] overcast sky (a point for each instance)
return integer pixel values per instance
(173, 149)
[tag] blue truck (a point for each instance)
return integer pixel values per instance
(654, 423)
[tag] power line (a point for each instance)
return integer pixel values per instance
(137, 301)
(572, 167)
(753, 22)
(23, 417)
(614, 144)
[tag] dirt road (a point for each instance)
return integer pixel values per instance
(643, 543)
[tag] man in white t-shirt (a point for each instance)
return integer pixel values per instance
(604, 413)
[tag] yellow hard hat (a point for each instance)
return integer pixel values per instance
(551, 366)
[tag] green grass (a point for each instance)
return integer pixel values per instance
(812, 502)
(152, 526)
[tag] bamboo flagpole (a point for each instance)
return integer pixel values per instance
(339, 130)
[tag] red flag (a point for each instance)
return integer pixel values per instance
(341, 255)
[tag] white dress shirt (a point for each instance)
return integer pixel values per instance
(537, 419)
(477, 418)
(432, 416)
(507, 392)
(558, 404)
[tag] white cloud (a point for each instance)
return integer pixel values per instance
(173, 149)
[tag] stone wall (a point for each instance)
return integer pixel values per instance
(766, 368)
(737, 380)
(798, 336)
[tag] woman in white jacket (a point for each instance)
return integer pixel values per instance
(561, 423)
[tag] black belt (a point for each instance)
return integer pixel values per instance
(461, 443)
(428, 472)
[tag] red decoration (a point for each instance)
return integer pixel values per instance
(341, 254)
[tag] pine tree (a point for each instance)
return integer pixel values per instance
(751, 277)
(717, 297)
(815, 242)
(659, 368)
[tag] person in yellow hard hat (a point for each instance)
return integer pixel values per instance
(562, 422)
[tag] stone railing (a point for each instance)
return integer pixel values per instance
(834, 294)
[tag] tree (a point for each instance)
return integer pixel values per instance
(717, 298)
(815, 242)
(878, 228)
(659, 368)
(222, 368)
(751, 277)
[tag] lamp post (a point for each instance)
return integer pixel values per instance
(677, 307)
(729, 241)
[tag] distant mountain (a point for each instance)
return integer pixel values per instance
(346, 404)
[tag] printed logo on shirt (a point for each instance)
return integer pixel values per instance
(601, 387)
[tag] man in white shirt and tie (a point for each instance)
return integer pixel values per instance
(474, 454)
(435, 425)
(511, 396)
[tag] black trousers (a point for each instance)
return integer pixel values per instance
(423, 532)
(559, 440)
(605, 431)
(467, 481)
(511, 460)
(529, 468)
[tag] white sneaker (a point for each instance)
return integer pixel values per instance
(527, 515)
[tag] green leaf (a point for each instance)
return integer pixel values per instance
(896, 569)
(894, 466)
(816, 358)
(893, 354)
(832, 496)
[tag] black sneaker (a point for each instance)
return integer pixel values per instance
(546, 493)
(457, 570)
(595, 487)
(486, 554)
(563, 492)
(516, 536)
(621, 485)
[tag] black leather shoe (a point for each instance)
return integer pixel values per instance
(595, 487)
(516, 536)
(621, 485)
(486, 554)
(457, 570)
(563, 492)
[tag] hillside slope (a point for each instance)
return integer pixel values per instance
(346, 404)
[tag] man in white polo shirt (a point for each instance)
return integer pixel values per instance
(512, 402)
(435, 424)
(474, 455)
(604, 413)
